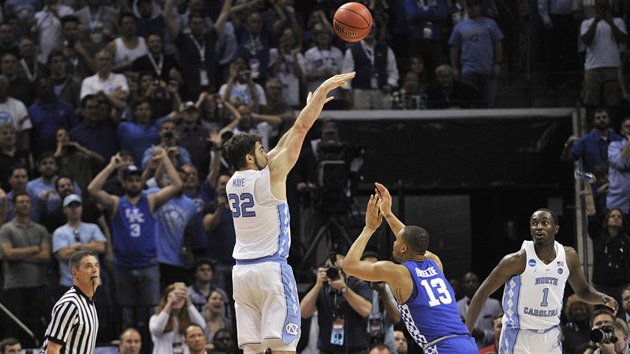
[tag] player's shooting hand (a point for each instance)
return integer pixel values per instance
(610, 302)
(333, 83)
(385, 199)
(373, 216)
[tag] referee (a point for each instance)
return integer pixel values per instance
(74, 323)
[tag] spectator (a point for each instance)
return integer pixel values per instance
(8, 44)
(282, 15)
(603, 317)
(97, 131)
(497, 325)
(447, 92)
(426, 21)
(625, 304)
(577, 329)
(380, 348)
(136, 275)
(618, 174)
(203, 284)
(21, 87)
(214, 314)
(483, 332)
(155, 60)
(42, 189)
(385, 314)
(198, 48)
(30, 67)
(194, 137)
(174, 314)
(18, 180)
(276, 105)
(13, 111)
(219, 227)
(74, 236)
(266, 126)
(321, 62)
(99, 21)
(401, 342)
(10, 154)
(377, 73)
(130, 341)
(343, 305)
(114, 185)
(241, 89)
(602, 35)
(287, 64)
(129, 45)
(254, 44)
(409, 96)
(49, 114)
(476, 47)
(611, 247)
(169, 138)
(113, 86)
(66, 87)
(140, 133)
(47, 24)
(75, 159)
(163, 97)
(195, 339)
(10, 346)
(79, 54)
(26, 253)
(224, 342)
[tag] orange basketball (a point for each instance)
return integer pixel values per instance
(352, 22)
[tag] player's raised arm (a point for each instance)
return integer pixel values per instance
(284, 156)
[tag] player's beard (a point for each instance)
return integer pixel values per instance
(260, 168)
(133, 193)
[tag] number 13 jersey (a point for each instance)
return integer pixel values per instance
(533, 299)
(261, 221)
(431, 310)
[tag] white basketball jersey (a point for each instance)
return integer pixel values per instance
(533, 299)
(261, 221)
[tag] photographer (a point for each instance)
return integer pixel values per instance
(168, 141)
(609, 336)
(343, 305)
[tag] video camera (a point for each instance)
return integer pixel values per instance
(604, 334)
(338, 164)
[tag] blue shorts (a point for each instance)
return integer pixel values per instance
(456, 345)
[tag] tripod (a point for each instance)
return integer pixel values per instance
(334, 226)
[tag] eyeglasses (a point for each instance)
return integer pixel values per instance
(77, 237)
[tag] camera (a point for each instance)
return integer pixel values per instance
(604, 334)
(332, 272)
(244, 75)
(169, 135)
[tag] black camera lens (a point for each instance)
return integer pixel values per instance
(332, 273)
(168, 135)
(604, 334)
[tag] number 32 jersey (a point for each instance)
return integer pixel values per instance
(533, 299)
(261, 221)
(431, 310)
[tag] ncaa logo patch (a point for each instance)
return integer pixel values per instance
(292, 328)
(532, 262)
(560, 270)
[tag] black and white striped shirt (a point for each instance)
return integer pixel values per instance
(74, 323)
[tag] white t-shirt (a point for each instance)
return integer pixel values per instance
(94, 84)
(49, 29)
(12, 111)
(603, 52)
(291, 83)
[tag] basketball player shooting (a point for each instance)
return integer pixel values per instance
(265, 292)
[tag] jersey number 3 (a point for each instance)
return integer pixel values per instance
(241, 205)
(437, 284)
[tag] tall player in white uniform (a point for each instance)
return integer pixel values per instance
(534, 279)
(265, 293)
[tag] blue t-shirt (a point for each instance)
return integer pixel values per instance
(47, 121)
(134, 234)
(475, 39)
(64, 237)
(172, 219)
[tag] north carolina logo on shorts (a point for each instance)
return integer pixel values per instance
(560, 271)
(292, 328)
(532, 262)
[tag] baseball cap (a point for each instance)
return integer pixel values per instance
(188, 105)
(131, 170)
(72, 198)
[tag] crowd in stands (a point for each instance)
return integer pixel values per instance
(113, 114)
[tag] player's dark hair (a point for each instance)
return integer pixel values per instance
(416, 238)
(551, 212)
(238, 146)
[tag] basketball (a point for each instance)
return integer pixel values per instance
(352, 22)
